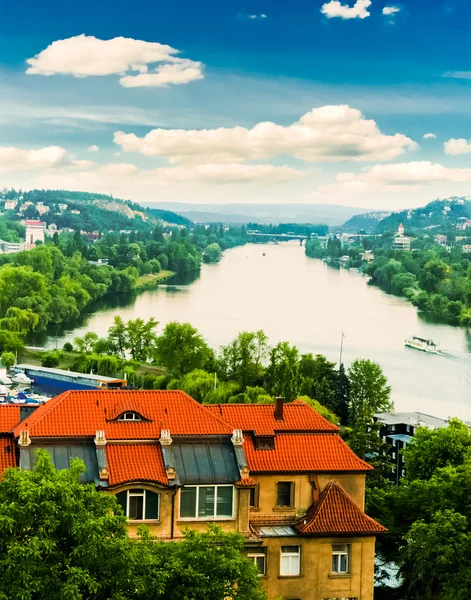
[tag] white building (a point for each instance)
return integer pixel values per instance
(10, 204)
(42, 208)
(34, 232)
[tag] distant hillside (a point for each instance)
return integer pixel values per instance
(94, 211)
(437, 214)
(330, 214)
(365, 222)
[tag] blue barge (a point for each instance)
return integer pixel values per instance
(69, 380)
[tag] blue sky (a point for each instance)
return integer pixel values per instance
(106, 103)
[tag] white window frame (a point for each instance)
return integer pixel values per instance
(206, 518)
(290, 556)
(133, 493)
(134, 417)
(337, 554)
(253, 557)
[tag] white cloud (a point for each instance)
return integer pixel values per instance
(457, 146)
(325, 134)
(18, 159)
(93, 148)
(389, 11)
(253, 17)
(458, 74)
(334, 8)
(430, 136)
(134, 60)
(396, 177)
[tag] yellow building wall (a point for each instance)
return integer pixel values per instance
(316, 581)
(352, 483)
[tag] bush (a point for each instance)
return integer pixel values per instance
(50, 360)
(68, 347)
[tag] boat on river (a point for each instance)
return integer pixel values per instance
(68, 380)
(22, 379)
(418, 343)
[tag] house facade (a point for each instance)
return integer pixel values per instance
(280, 474)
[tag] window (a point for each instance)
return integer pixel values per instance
(139, 504)
(130, 416)
(253, 501)
(340, 558)
(207, 502)
(290, 560)
(260, 560)
(284, 493)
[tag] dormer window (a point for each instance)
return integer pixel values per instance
(130, 416)
(264, 443)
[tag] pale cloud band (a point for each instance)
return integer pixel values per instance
(430, 136)
(335, 9)
(455, 147)
(139, 63)
(389, 11)
(18, 159)
(325, 134)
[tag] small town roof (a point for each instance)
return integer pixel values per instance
(135, 462)
(7, 454)
(337, 514)
(411, 418)
(260, 418)
(304, 453)
(10, 416)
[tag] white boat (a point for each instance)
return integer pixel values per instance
(4, 379)
(22, 378)
(421, 344)
(3, 391)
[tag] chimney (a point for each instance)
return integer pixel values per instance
(279, 408)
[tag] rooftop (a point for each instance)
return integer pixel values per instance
(411, 418)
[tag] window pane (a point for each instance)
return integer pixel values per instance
(136, 507)
(343, 563)
(284, 493)
(295, 565)
(284, 565)
(188, 502)
(224, 502)
(290, 549)
(122, 498)
(152, 505)
(334, 563)
(252, 497)
(206, 502)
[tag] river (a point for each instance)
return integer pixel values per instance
(295, 298)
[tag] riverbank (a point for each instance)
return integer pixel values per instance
(150, 281)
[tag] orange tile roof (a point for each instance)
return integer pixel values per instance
(260, 418)
(82, 413)
(9, 417)
(304, 452)
(246, 482)
(337, 514)
(7, 454)
(135, 462)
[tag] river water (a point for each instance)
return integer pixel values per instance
(291, 297)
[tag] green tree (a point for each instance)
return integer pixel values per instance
(181, 348)
(86, 343)
(8, 359)
(117, 336)
(283, 377)
(342, 395)
(141, 338)
(197, 384)
(243, 359)
(212, 253)
(59, 538)
(369, 394)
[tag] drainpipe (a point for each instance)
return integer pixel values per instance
(172, 529)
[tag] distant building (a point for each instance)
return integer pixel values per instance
(397, 430)
(34, 232)
(11, 247)
(11, 204)
(461, 226)
(401, 242)
(441, 240)
(62, 207)
(25, 205)
(75, 212)
(400, 230)
(101, 262)
(368, 256)
(42, 208)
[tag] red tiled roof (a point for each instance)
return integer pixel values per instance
(82, 413)
(7, 454)
(337, 514)
(260, 418)
(304, 452)
(135, 462)
(9, 417)
(246, 482)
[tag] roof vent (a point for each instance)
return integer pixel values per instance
(279, 408)
(165, 438)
